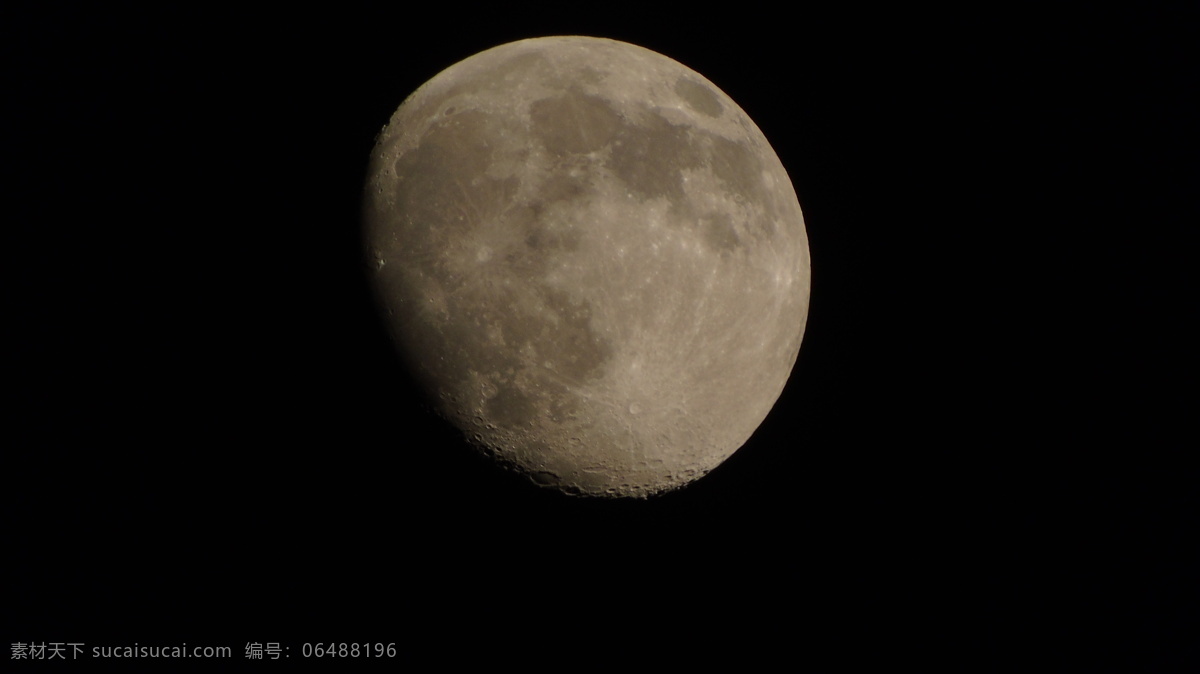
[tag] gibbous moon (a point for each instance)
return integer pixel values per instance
(591, 258)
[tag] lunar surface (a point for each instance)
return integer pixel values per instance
(592, 259)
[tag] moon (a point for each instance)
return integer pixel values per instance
(592, 259)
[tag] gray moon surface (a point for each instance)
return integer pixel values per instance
(592, 260)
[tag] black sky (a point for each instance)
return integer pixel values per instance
(983, 452)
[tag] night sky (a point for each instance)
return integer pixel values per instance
(982, 456)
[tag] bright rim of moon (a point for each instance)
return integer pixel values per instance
(591, 258)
